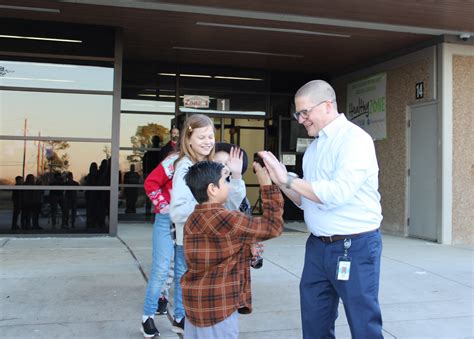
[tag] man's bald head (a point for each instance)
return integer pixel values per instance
(317, 91)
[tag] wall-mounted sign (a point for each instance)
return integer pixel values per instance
(196, 101)
(419, 90)
(366, 104)
(223, 104)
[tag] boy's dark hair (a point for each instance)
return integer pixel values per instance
(200, 175)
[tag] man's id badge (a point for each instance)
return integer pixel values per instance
(343, 268)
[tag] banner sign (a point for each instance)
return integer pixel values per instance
(366, 104)
(196, 101)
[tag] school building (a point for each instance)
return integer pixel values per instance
(86, 84)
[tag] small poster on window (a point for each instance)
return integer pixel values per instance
(289, 159)
(302, 144)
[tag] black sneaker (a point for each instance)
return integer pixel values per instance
(178, 327)
(162, 306)
(149, 329)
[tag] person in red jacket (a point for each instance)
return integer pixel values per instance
(157, 187)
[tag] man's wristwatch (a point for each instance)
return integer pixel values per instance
(290, 176)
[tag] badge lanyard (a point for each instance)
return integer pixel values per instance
(344, 262)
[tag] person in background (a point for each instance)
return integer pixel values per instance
(104, 196)
(339, 196)
(131, 193)
(171, 145)
(71, 200)
(28, 201)
(16, 200)
(56, 197)
(151, 159)
(92, 197)
(222, 155)
(37, 200)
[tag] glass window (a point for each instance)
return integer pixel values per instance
(147, 106)
(53, 211)
(136, 130)
(58, 76)
(42, 158)
(55, 114)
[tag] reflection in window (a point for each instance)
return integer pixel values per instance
(53, 211)
(136, 130)
(58, 76)
(147, 106)
(132, 200)
(44, 158)
(55, 114)
(129, 158)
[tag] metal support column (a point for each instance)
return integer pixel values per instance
(114, 179)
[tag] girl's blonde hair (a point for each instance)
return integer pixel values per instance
(191, 123)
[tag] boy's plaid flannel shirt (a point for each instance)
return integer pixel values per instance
(217, 251)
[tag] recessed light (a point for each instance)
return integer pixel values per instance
(38, 38)
(271, 29)
(237, 78)
(237, 51)
(186, 75)
(34, 9)
(195, 76)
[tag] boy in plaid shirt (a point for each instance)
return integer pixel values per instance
(216, 286)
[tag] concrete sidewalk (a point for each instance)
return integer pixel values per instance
(92, 287)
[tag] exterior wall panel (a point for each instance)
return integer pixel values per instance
(402, 77)
(463, 149)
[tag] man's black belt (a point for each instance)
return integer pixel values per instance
(334, 238)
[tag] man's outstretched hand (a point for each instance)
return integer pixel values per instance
(276, 169)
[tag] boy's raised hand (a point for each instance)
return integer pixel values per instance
(262, 174)
(235, 162)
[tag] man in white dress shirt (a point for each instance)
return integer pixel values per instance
(339, 196)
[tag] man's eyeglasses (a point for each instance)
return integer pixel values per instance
(305, 112)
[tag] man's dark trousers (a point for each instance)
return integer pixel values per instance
(320, 290)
